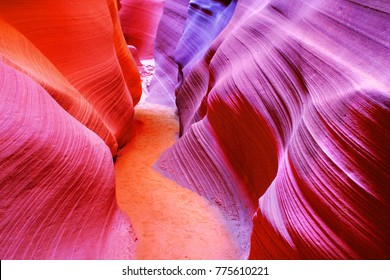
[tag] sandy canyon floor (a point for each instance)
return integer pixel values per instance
(171, 222)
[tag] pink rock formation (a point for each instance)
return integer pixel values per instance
(67, 87)
(284, 115)
(139, 21)
(17, 51)
(189, 38)
(162, 87)
(80, 35)
(57, 181)
(290, 105)
(206, 19)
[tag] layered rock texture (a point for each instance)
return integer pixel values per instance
(289, 108)
(57, 181)
(81, 60)
(139, 20)
(283, 108)
(162, 87)
(68, 85)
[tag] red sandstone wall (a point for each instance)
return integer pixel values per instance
(85, 46)
(139, 21)
(57, 181)
(67, 88)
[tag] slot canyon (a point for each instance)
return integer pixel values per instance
(194, 129)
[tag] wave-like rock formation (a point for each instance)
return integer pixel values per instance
(206, 19)
(179, 41)
(68, 84)
(82, 60)
(139, 22)
(288, 111)
(57, 181)
(162, 87)
(284, 111)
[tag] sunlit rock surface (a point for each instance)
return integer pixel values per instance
(57, 181)
(87, 62)
(139, 22)
(67, 87)
(289, 108)
(162, 87)
(205, 20)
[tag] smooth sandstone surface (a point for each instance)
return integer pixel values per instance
(68, 85)
(289, 108)
(57, 181)
(89, 52)
(20, 53)
(139, 21)
(283, 111)
(170, 28)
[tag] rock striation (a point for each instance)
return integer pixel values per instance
(287, 110)
(57, 181)
(284, 111)
(82, 60)
(139, 21)
(162, 87)
(68, 84)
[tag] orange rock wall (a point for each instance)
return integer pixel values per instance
(139, 21)
(84, 44)
(68, 84)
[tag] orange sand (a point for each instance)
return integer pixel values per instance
(171, 222)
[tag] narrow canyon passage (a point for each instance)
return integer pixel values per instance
(171, 222)
(283, 111)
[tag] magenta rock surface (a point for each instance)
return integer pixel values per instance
(288, 111)
(139, 21)
(162, 87)
(206, 19)
(57, 181)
